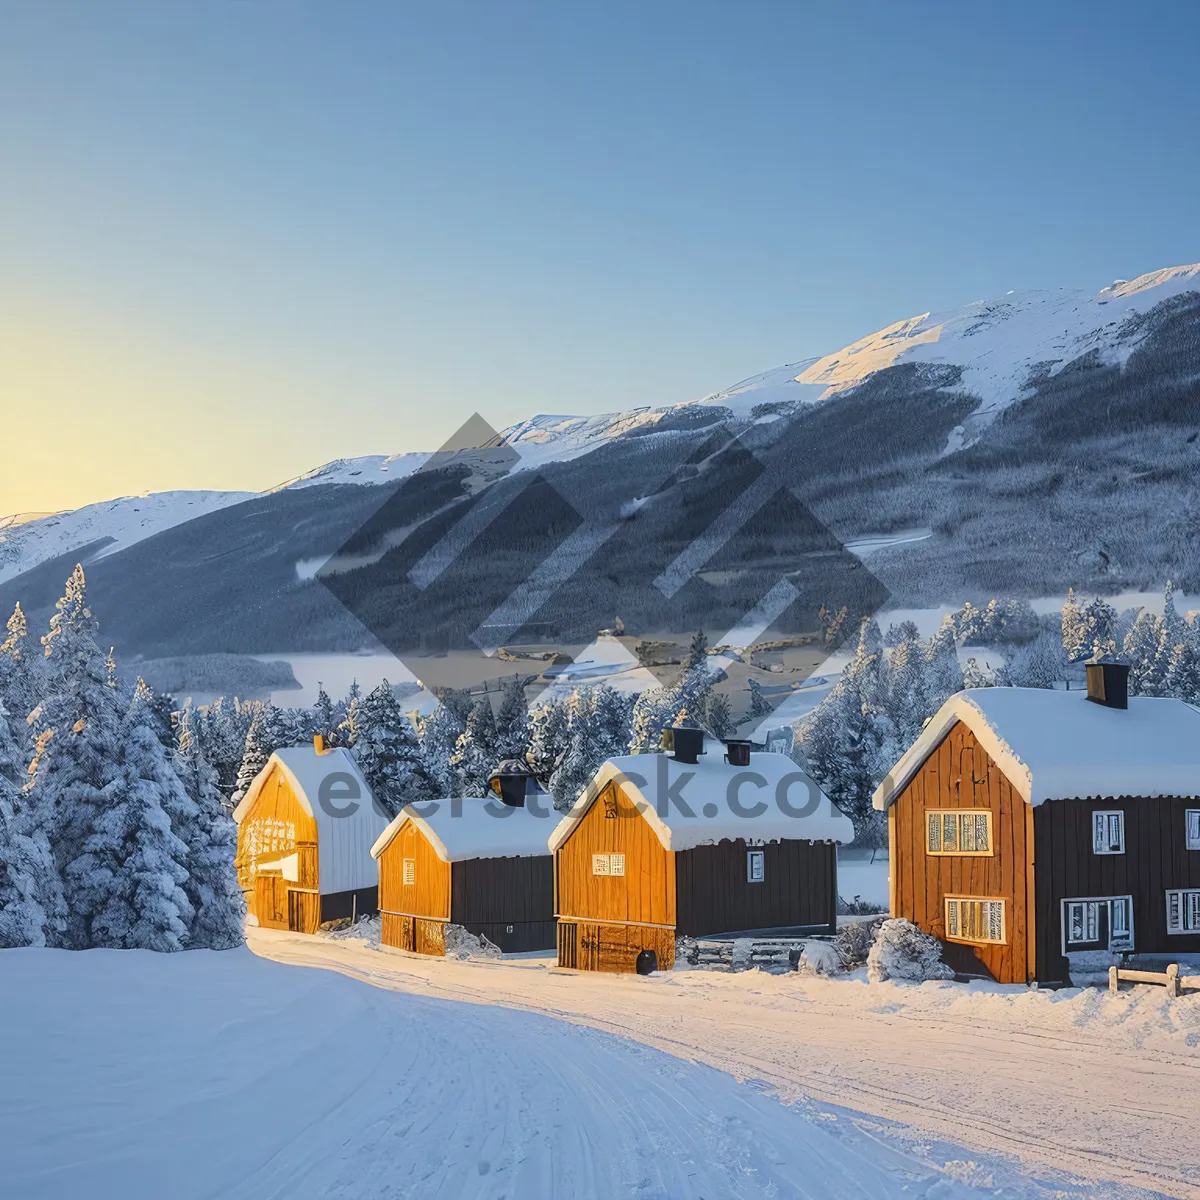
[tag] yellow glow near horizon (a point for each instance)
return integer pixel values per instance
(91, 412)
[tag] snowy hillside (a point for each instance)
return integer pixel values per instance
(106, 527)
(1002, 344)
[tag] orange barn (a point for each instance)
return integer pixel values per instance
(481, 864)
(659, 846)
(305, 829)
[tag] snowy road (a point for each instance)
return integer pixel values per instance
(141, 1076)
(1102, 1087)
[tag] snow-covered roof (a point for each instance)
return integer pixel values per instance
(1054, 745)
(478, 828)
(704, 803)
(347, 822)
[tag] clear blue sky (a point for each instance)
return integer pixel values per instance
(240, 238)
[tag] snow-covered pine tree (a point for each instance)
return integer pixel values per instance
(656, 709)
(212, 884)
(597, 729)
(904, 682)
(18, 675)
(1100, 623)
(323, 716)
(1147, 671)
(848, 741)
(760, 706)
(1040, 663)
(32, 909)
(512, 720)
(942, 674)
(475, 751)
(254, 753)
(439, 734)
(549, 730)
(1183, 675)
(1075, 639)
(718, 716)
(78, 761)
(388, 754)
(126, 886)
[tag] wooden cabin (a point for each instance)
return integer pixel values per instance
(481, 864)
(657, 846)
(1042, 833)
(305, 829)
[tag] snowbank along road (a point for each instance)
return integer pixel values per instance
(1098, 1088)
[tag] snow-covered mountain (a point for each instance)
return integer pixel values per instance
(28, 540)
(1036, 440)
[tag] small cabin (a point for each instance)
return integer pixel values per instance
(1040, 833)
(305, 829)
(482, 864)
(661, 845)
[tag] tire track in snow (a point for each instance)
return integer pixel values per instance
(1070, 1099)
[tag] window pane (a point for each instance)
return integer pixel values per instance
(1193, 828)
(1173, 910)
(952, 918)
(1193, 910)
(1075, 922)
(981, 831)
(1114, 831)
(966, 832)
(996, 921)
(1098, 832)
(949, 831)
(934, 822)
(1120, 917)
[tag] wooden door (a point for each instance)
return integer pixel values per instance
(270, 901)
(303, 911)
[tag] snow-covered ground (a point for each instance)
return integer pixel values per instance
(1073, 1090)
(143, 1076)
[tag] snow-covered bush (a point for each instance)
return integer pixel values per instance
(461, 944)
(902, 951)
(853, 942)
(820, 958)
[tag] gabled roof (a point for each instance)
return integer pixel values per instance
(346, 826)
(1054, 745)
(690, 805)
(472, 827)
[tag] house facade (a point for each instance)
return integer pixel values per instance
(1038, 832)
(305, 829)
(657, 847)
(481, 864)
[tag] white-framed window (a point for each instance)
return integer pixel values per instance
(1191, 820)
(1183, 910)
(1108, 832)
(756, 866)
(608, 864)
(1097, 923)
(410, 872)
(962, 831)
(972, 919)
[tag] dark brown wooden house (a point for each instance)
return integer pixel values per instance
(477, 863)
(305, 828)
(657, 847)
(1042, 833)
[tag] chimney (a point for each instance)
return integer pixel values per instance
(737, 752)
(319, 743)
(509, 781)
(1108, 684)
(687, 741)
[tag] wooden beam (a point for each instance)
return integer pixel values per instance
(893, 878)
(1030, 891)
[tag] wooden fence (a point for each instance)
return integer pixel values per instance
(1170, 978)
